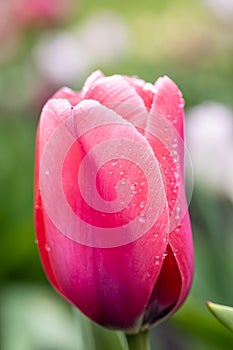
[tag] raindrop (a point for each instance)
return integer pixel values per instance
(142, 204)
(181, 105)
(110, 172)
(36, 241)
(46, 172)
(141, 218)
(177, 212)
(47, 247)
(174, 142)
(123, 181)
(175, 156)
(114, 162)
(157, 261)
(121, 172)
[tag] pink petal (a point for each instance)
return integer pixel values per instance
(145, 90)
(164, 132)
(182, 246)
(94, 77)
(74, 97)
(169, 103)
(114, 294)
(116, 93)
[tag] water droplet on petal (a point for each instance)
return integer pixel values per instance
(114, 162)
(141, 218)
(177, 213)
(47, 247)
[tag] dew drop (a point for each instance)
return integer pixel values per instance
(175, 156)
(177, 213)
(181, 105)
(123, 181)
(114, 162)
(36, 241)
(121, 172)
(110, 172)
(141, 218)
(47, 247)
(142, 204)
(174, 142)
(46, 172)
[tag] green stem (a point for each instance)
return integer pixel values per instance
(139, 341)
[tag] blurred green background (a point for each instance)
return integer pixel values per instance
(41, 50)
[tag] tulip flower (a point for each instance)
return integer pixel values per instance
(111, 216)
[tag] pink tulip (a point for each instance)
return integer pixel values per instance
(111, 216)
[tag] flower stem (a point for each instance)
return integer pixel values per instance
(139, 341)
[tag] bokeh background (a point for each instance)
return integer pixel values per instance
(48, 44)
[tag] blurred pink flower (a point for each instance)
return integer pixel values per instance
(40, 12)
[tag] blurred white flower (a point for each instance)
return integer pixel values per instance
(210, 142)
(66, 57)
(221, 8)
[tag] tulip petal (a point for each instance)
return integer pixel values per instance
(145, 90)
(166, 291)
(113, 294)
(164, 131)
(74, 97)
(182, 246)
(94, 77)
(117, 94)
(169, 103)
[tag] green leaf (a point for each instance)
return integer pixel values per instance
(223, 313)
